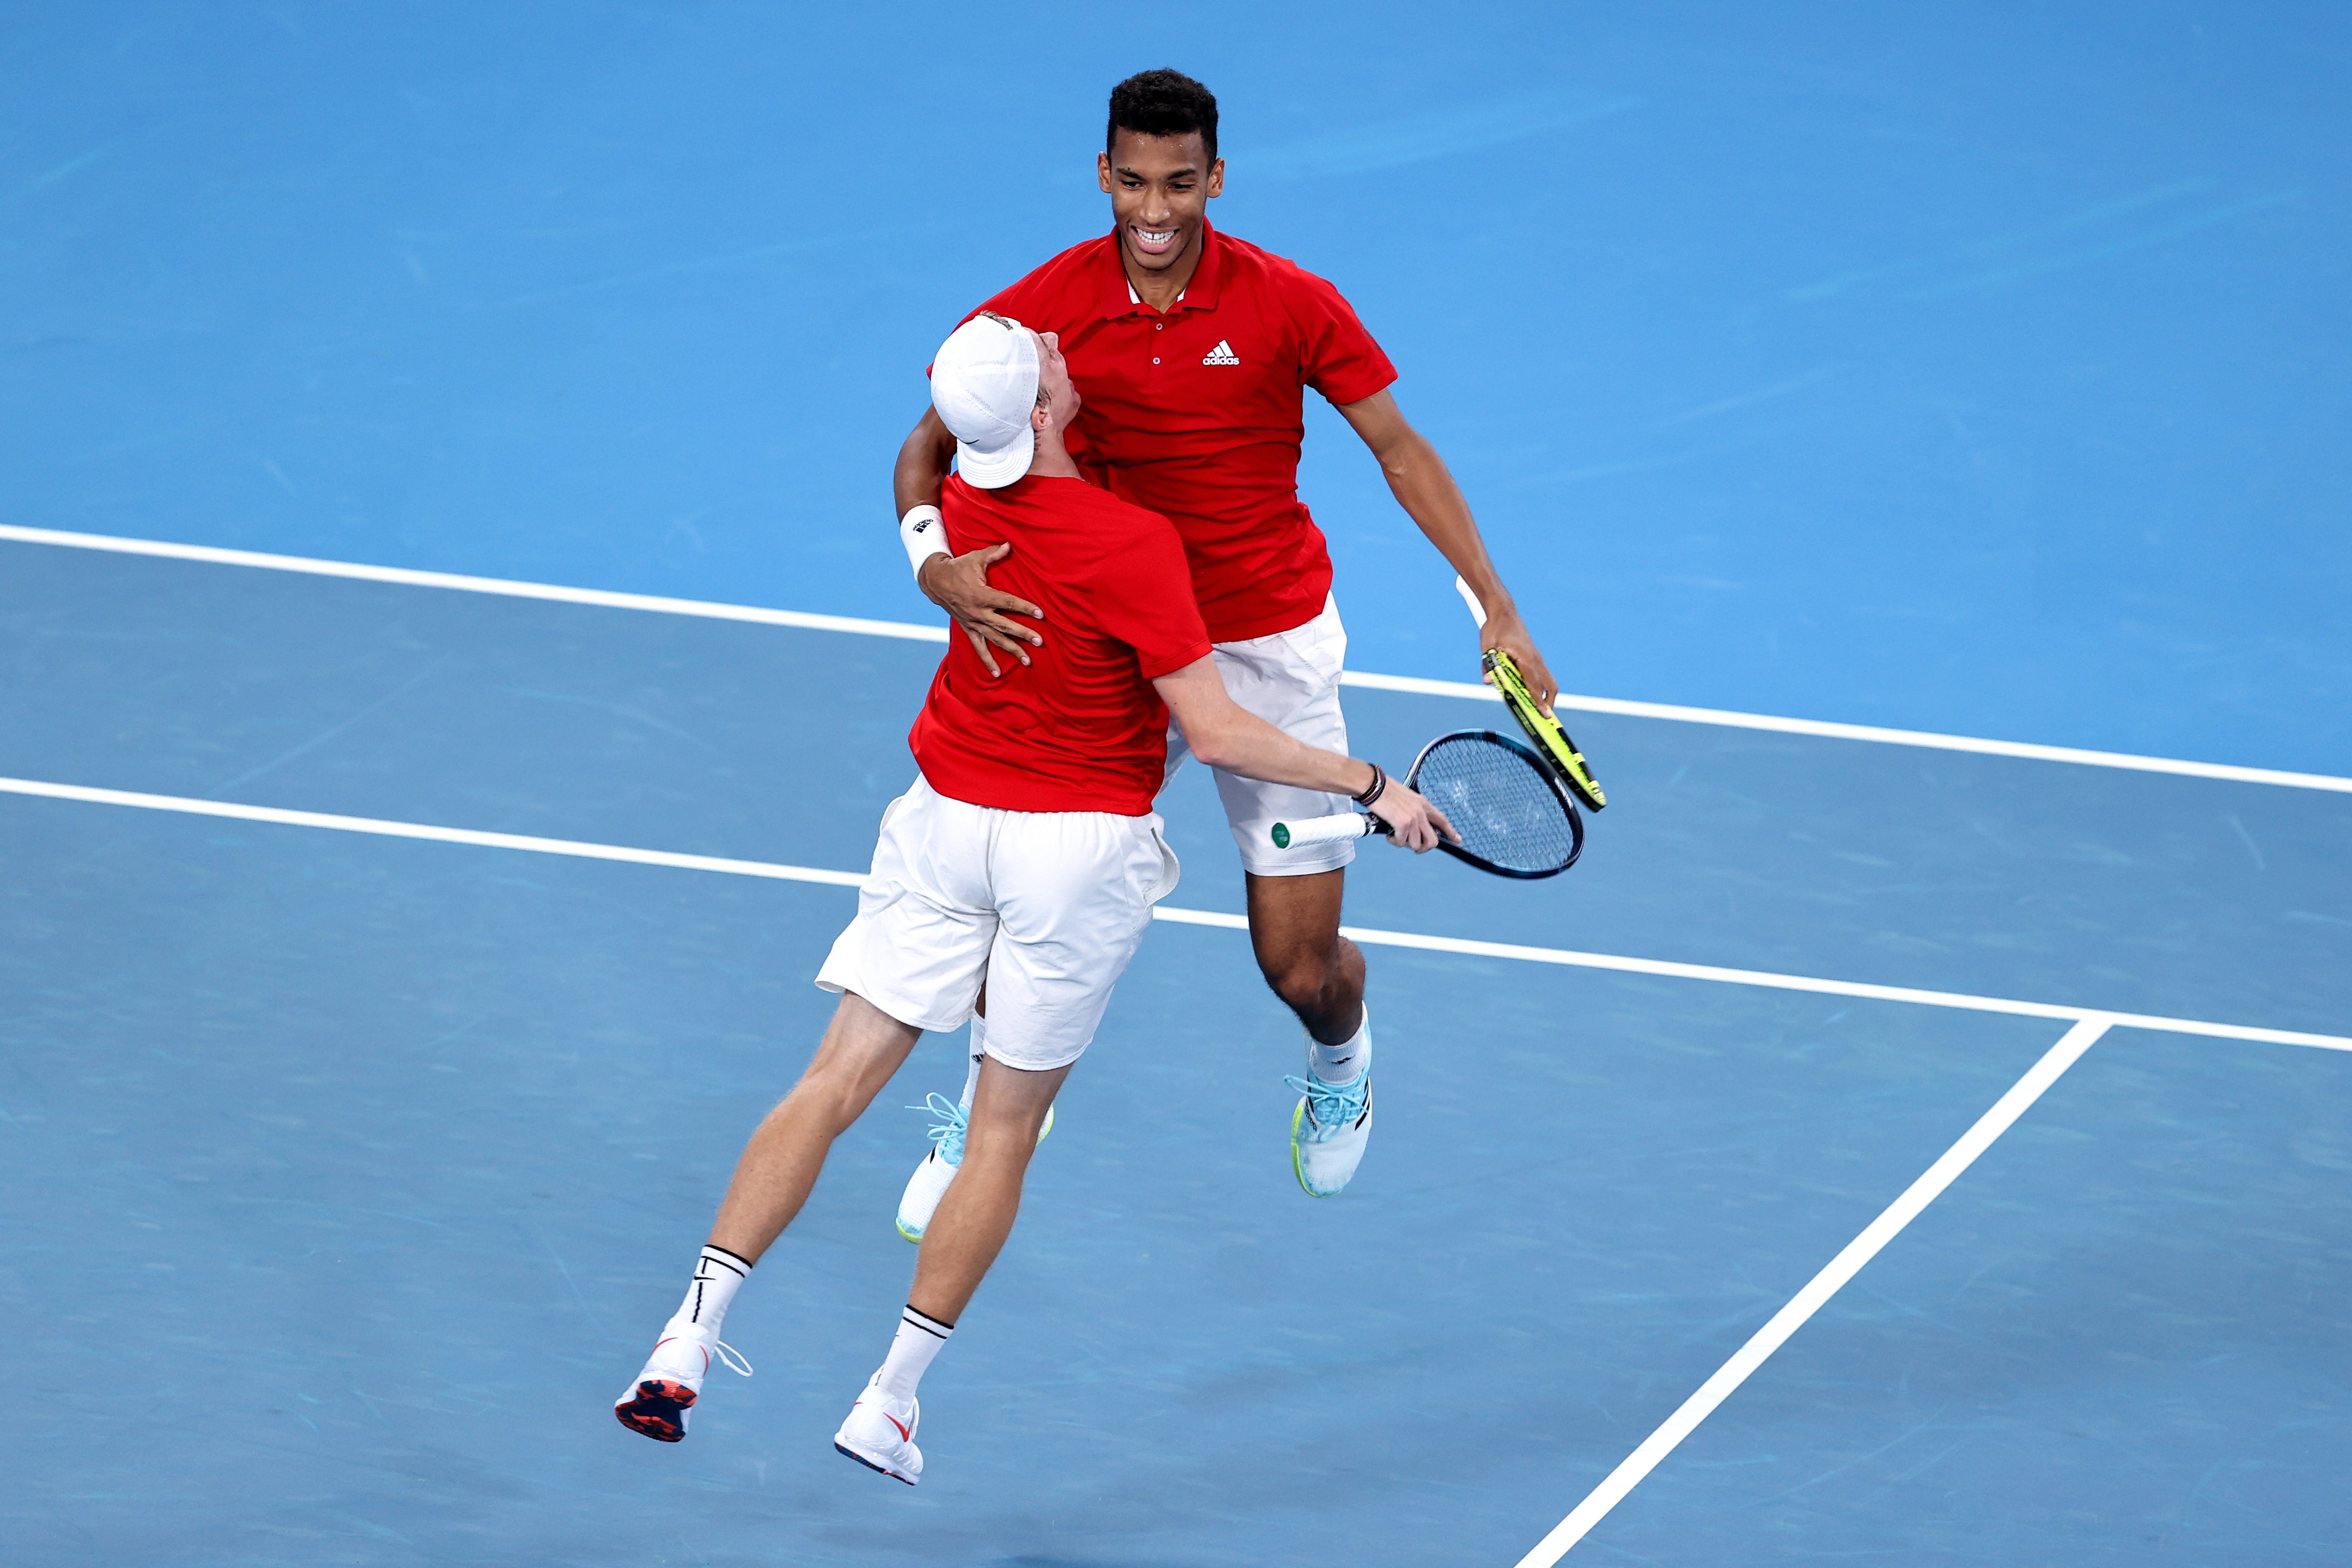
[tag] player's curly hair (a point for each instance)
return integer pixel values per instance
(1163, 103)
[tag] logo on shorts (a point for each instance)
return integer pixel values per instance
(1223, 354)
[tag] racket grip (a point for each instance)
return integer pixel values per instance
(1324, 829)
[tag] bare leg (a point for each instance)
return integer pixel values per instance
(976, 1215)
(862, 1047)
(1294, 928)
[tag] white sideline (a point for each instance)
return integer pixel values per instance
(508, 587)
(1817, 1291)
(913, 632)
(1367, 935)
(391, 830)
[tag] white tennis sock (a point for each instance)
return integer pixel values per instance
(979, 1045)
(920, 1338)
(1343, 1062)
(717, 1275)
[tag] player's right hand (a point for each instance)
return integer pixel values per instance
(959, 585)
(1412, 821)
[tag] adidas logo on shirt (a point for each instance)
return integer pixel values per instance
(1223, 354)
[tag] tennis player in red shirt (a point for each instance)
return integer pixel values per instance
(1025, 858)
(1193, 350)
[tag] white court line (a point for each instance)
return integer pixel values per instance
(391, 830)
(1817, 1291)
(498, 585)
(912, 632)
(1367, 935)
(1920, 738)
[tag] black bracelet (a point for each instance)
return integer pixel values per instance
(1372, 790)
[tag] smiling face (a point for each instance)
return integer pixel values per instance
(1160, 188)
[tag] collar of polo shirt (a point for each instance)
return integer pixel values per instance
(1200, 293)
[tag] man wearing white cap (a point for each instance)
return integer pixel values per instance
(1027, 855)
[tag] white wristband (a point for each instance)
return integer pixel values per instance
(924, 533)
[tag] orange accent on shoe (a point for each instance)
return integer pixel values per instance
(655, 1410)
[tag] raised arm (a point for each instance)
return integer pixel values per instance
(959, 583)
(1427, 492)
(1224, 733)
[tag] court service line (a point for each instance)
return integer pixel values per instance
(910, 632)
(1827, 729)
(1817, 1291)
(1369, 936)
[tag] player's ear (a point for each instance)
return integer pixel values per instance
(1102, 172)
(1214, 184)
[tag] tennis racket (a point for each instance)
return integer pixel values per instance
(1550, 739)
(1515, 816)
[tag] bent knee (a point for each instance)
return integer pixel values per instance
(835, 1099)
(1304, 984)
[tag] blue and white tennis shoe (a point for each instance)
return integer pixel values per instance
(1329, 1129)
(930, 1182)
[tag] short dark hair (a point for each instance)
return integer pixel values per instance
(1163, 103)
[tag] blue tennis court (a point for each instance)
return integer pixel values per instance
(1873, 1149)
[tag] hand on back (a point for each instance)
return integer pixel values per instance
(959, 585)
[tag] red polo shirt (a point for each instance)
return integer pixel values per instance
(1198, 415)
(1080, 727)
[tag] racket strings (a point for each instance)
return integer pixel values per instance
(1508, 814)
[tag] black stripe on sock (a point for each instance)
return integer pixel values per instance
(725, 1258)
(927, 1323)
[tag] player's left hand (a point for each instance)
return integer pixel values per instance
(1504, 630)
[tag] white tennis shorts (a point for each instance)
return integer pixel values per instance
(1291, 680)
(1046, 907)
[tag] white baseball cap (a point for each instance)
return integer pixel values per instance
(984, 384)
